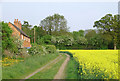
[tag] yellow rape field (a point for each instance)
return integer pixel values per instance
(97, 64)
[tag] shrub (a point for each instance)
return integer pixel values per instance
(40, 49)
(37, 49)
(24, 52)
(50, 48)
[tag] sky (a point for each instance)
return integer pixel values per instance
(79, 15)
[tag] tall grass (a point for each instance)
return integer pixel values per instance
(22, 69)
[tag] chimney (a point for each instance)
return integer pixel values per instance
(17, 23)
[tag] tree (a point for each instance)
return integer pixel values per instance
(101, 40)
(81, 40)
(26, 27)
(39, 33)
(54, 24)
(89, 34)
(79, 33)
(110, 24)
(6, 37)
(9, 42)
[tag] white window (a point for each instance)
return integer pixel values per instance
(22, 36)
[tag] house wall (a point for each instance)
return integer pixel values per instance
(14, 30)
(26, 40)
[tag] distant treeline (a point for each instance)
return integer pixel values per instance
(53, 30)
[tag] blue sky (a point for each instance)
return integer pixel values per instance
(79, 15)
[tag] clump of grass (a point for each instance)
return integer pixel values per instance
(22, 69)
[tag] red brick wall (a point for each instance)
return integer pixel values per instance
(14, 30)
(26, 40)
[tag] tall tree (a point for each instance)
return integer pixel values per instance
(110, 24)
(27, 28)
(54, 24)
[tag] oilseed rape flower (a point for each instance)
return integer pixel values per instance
(97, 64)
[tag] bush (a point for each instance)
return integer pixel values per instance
(37, 49)
(24, 52)
(50, 48)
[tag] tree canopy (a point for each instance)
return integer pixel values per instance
(54, 24)
(110, 24)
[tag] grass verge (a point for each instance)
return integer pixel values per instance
(71, 68)
(22, 69)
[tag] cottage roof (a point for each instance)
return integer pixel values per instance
(20, 31)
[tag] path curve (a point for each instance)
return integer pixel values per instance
(38, 70)
(60, 73)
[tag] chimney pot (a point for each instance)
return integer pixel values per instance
(19, 22)
(17, 19)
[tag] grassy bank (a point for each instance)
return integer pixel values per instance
(50, 71)
(22, 69)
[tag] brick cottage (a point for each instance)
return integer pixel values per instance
(17, 31)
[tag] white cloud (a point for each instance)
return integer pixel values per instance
(59, 0)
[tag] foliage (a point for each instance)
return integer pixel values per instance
(110, 24)
(26, 27)
(89, 34)
(46, 39)
(101, 41)
(64, 40)
(81, 40)
(6, 37)
(37, 49)
(24, 52)
(79, 33)
(42, 49)
(54, 24)
(50, 48)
